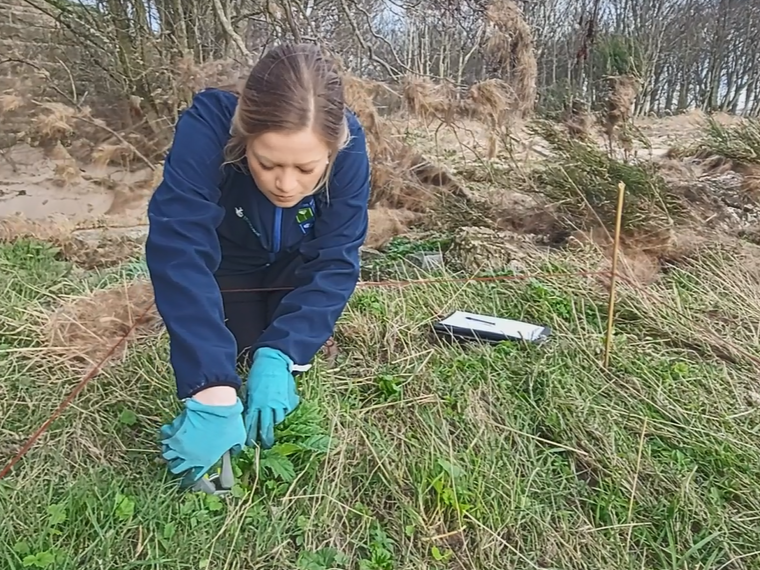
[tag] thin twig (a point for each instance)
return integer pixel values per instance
(635, 484)
(47, 76)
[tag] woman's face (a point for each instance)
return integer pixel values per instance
(287, 166)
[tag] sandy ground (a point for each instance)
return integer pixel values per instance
(31, 183)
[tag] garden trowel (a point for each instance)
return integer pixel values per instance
(219, 482)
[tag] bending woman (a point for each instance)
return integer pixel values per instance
(265, 190)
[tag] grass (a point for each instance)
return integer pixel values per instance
(739, 142)
(581, 181)
(412, 454)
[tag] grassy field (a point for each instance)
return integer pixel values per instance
(410, 454)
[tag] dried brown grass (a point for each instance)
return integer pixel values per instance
(86, 137)
(494, 101)
(107, 250)
(429, 101)
(35, 119)
(127, 196)
(644, 261)
(84, 329)
(578, 121)
(640, 258)
(191, 77)
(387, 223)
(489, 102)
(13, 228)
(510, 43)
(110, 153)
(10, 102)
(704, 164)
(53, 123)
(359, 96)
(716, 165)
(401, 177)
(66, 171)
(751, 181)
(622, 91)
(407, 180)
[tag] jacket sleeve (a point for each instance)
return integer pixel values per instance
(183, 252)
(306, 316)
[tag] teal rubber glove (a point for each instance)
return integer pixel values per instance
(271, 395)
(200, 435)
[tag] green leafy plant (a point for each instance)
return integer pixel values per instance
(300, 443)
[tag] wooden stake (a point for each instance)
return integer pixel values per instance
(613, 275)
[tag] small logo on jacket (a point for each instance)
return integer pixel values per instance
(305, 218)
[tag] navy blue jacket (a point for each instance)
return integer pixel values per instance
(208, 218)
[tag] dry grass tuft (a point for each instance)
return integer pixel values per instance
(54, 123)
(13, 228)
(83, 330)
(10, 102)
(387, 223)
(429, 100)
(46, 124)
(66, 171)
(716, 164)
(622, 91)
(510, 44)
(359, 95)
(128, 195)
(401, 177)
(751, 182)
(404, 179)
(489, 102)
(477, 249)
(213, 73)
(640, 257)
(578, 121)
(108, 251)
(191, 77)
(105, 154)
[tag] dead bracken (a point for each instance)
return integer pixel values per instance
(82, 330)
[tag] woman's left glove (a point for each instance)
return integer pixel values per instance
(199, 436)
(271, 396)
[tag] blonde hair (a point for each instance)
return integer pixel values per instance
(291, 88)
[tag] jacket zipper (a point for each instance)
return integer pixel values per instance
(241, 214)
(277, 228)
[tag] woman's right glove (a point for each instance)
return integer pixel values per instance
(199, 436)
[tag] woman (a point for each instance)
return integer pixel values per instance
(268, 189)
